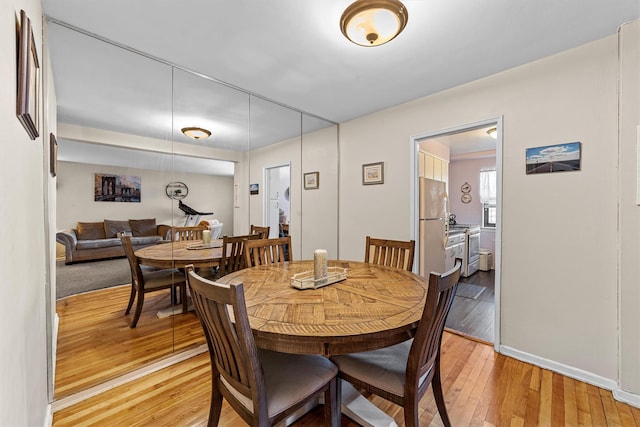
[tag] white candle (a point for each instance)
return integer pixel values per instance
(206, 237)
(320, 266)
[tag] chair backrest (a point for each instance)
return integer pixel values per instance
(425, 349)
(392, 253)
(137, 279)
(216, 230)
(188, 233)
(264, 231)
(231, 344)
(233, 253)
(267, 251)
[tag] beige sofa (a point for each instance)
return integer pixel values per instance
(100, 240)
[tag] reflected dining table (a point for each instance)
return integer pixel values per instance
(374, 307)
(180, 254)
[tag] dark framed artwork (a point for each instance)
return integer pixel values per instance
(554, 158)
(53, 155)
(254, 189)
(373, 173)
(312, 180)
(117, 188)
(28, 91)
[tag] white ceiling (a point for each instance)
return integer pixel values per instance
(291, 51)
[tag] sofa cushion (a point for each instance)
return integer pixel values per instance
(112, 227)
(143, 227)
(145, 240)
(90, 230)
(98, 243)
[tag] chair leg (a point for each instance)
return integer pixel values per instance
(183, 297)
(216, 405)
(436, 384)
(131, 298)
(136, 315)
(332, 406)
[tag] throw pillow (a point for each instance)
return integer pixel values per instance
(112, 228)
(90, 230)
(143, 227)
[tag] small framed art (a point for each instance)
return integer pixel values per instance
(553, 158)
(312, 180)
(373, 173)
(28, 90)
(53, 155)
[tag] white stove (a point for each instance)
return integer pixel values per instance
(471, 253)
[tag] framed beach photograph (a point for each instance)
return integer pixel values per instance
(373, 173)
(28, 90)
(554, 158)
(312, 180)
(53, 155)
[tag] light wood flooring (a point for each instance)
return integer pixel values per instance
(475, 318)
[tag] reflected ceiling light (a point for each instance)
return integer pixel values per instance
(493, 133)
(373, 22)
(196, 132)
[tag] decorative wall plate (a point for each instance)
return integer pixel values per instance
(466, 198)
(466, 187)
(176, 190)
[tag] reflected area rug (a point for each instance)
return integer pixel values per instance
(89, 276)
(470, 291)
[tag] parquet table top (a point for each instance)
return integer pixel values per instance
(177, 255)
(374, 307)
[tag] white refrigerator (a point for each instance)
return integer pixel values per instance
(434, 225)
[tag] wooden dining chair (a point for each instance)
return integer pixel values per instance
(188, 233)
(233, 253)
(402, 373)
(267, 251)
(263, 231)
(392, 253)
(150, 280)
(258, 384)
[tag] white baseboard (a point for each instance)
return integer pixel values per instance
(48, 418)
(575, 373)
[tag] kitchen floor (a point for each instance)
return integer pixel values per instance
(475, 317)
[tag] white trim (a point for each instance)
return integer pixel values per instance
(131, 376)
(627, 397)
(48, 418)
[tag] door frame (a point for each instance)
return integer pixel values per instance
(267, 191)
(414, 141)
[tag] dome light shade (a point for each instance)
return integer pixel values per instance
(196, 132)
(373, 22)
(493, 133)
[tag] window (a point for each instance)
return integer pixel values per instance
(488, 192)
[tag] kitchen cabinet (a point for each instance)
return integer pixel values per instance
(432, 167)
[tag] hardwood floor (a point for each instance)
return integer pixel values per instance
(475, 318)
(482, 388)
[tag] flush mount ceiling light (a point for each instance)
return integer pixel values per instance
(493, 133)
(373, 22)
(196, 132)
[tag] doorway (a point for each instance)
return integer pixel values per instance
(461, 155)
(277, 209)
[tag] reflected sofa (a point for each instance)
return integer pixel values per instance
(100, 240)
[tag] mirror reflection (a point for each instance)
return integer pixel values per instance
(122, 136)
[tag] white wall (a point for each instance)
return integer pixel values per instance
(23, 255)
(559, 293)
(207, 193)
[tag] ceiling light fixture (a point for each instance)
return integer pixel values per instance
(493, 133)
(373, 22)
(196, 132)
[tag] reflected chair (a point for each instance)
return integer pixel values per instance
(233, 253)
(148, 280)
(392, 253)
(258, 384)
(263, 231)
(402, 373)
(188, 233)
(215, 226)
(267, 251)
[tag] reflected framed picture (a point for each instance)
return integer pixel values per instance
(53, 155)
(312, 180)
(28, 90)
(553, 158)
(373, 173)
(254, 189)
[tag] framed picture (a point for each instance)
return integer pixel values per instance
(53, 155)
(254, 189)
(312, 180)
(28, 91)
(117, 188)
(554, 158)
(373, 173)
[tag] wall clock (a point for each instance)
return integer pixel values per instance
(466, 187)
(176, 190)
(466, 198)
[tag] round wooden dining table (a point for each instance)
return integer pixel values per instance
(180, 254)
(374, 307)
